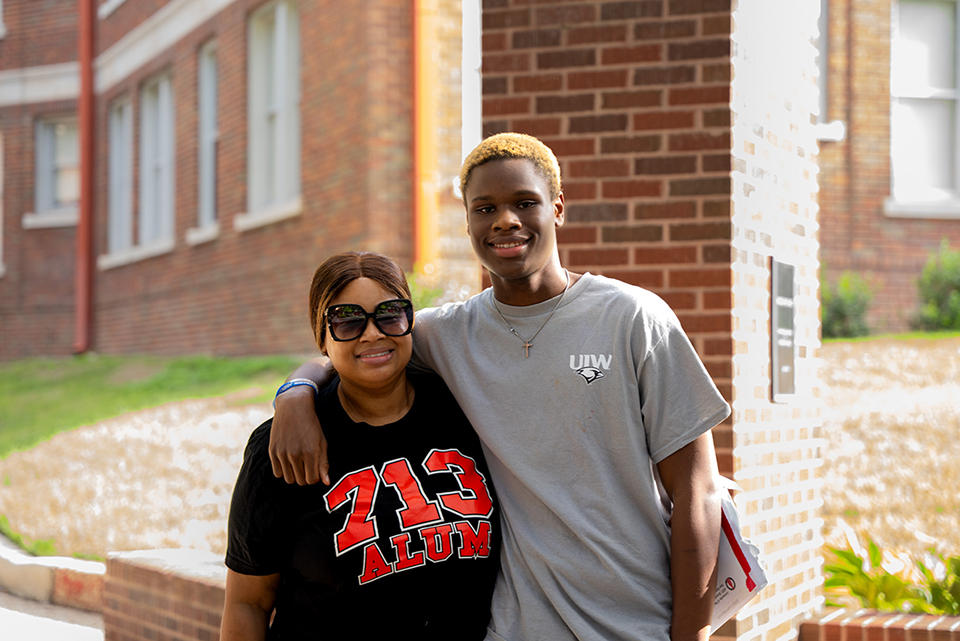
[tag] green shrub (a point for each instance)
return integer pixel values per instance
(939, 287)
(844, 305)
(888, 582)
(422, 293)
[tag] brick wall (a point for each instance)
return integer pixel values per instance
(39, 32)
(855, 172)
(36, 289)
(867, 625)
(176, 595)
(245, 292)
(457, 271)
(633, 97)
(777, 446)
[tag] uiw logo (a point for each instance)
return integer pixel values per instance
(590, 366)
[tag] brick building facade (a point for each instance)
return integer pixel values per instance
(175, 274)
(899, 113)
(685, 132)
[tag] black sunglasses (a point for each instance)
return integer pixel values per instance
(348, 322)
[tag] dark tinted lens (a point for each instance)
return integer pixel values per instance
(393, 317)
(347, 321)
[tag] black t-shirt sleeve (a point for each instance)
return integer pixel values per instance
(257, 515)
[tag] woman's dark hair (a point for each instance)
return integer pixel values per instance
(340, 270)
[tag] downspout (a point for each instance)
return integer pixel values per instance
(83, 290)
(415, 132)
(426, 198)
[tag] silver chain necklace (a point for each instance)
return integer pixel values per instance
(527, 344)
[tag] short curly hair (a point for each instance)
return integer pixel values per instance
(507, 146)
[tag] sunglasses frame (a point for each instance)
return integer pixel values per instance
(368, 316)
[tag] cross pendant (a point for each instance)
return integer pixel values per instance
(527, 345)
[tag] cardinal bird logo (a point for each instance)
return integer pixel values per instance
(589, 374)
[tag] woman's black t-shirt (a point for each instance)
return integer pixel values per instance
(406, 539)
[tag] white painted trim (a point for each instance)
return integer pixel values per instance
(205, 234)
(834, 131)
(135, 254)
(152, 37)
(893, 208)
(45, 83)
(268, 216)
(67, 217)
(108, 7)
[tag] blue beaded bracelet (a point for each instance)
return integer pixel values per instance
(296, 382)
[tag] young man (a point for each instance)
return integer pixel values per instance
(595, 415)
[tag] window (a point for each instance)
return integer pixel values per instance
(782, 331)
(274, 116)
(207, 227)
(57, 174)
(120, 197)
(826, 129)
(156, 163)
(924, 109)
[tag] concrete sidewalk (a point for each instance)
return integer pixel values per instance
(49, 598)
(27, 620)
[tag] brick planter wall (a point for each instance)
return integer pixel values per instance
(174, 595)
(868, 625)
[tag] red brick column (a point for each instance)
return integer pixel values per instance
(633, 97)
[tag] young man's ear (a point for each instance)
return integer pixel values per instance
(558, 210)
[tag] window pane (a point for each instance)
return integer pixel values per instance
(68, 186)
(922, 148)
(121, 138)
(66, 135)
(924, 47)
(207, 142)
(66, 170)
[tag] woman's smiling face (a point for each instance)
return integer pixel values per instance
(374, 359)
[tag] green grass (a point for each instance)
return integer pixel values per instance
(41, 397)
(903, 336)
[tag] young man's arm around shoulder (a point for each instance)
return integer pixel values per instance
(689, 476)
(298, 448)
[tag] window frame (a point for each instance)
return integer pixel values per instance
(120, 177)
(47, 212)
(156, 206)
(826, 130)
(208, 136)
(949, 206)
(274, 185)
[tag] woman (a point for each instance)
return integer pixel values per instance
(406, 537)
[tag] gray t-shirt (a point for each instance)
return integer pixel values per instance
(612, 386)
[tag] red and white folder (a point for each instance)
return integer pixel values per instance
(740, 571)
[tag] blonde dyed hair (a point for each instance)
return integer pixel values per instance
(508, 146)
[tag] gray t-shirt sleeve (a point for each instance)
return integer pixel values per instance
(424, 342)
(678, 399)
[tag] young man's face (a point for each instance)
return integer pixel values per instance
(512, 220)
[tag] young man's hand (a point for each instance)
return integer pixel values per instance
(298, 448)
